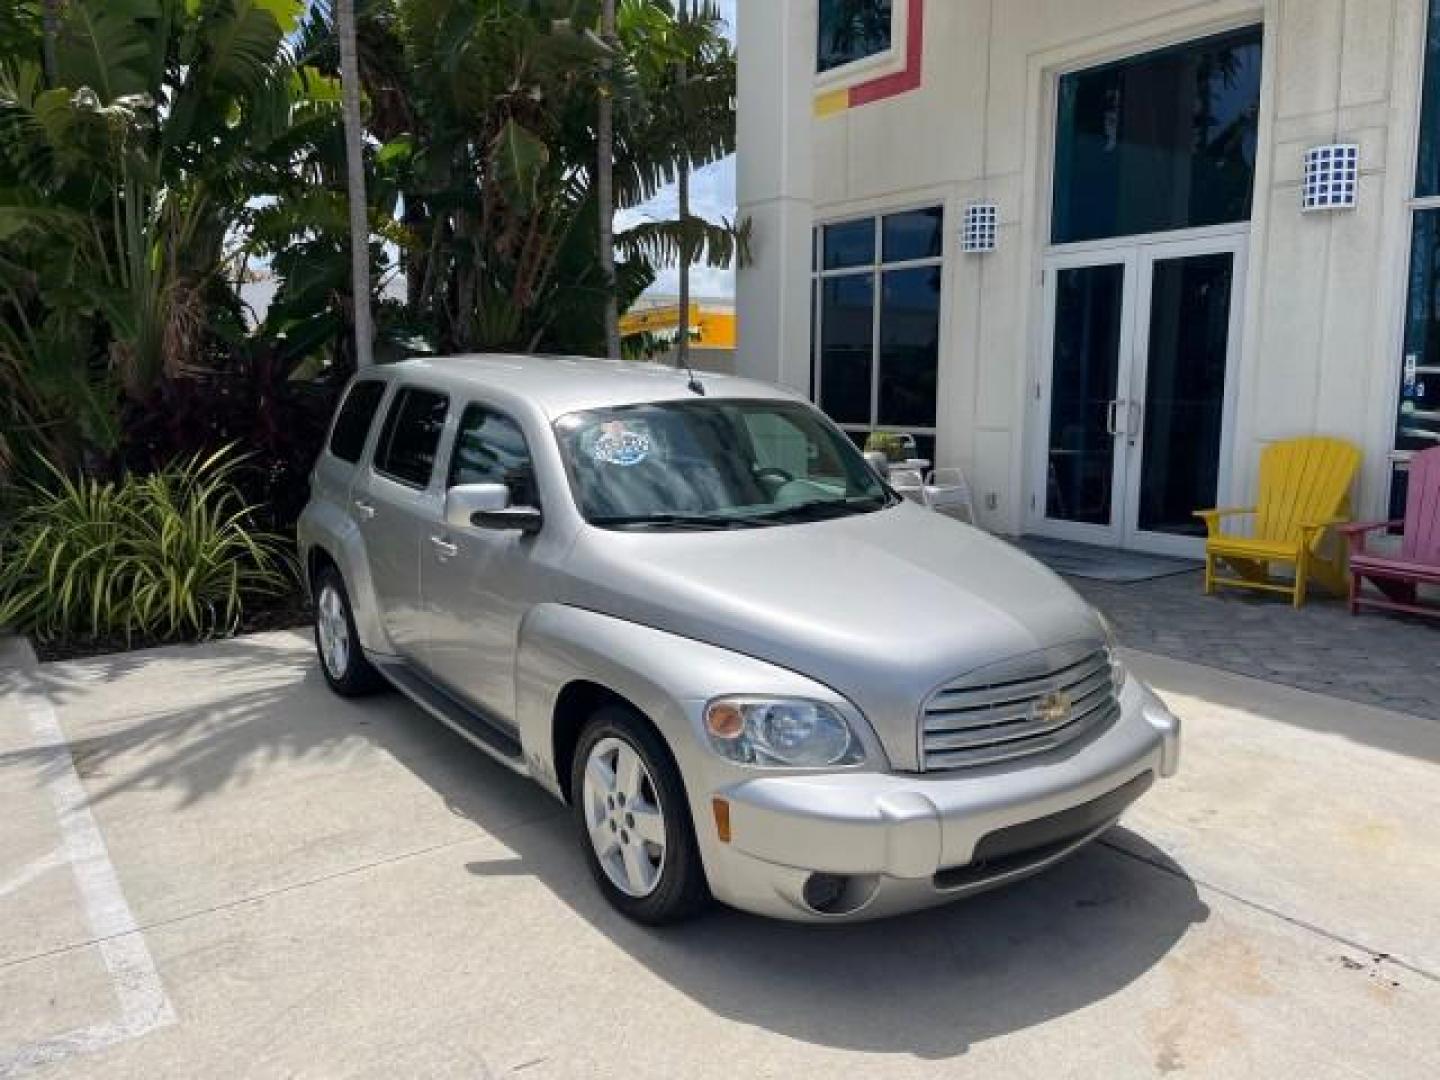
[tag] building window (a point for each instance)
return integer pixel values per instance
(852, 30)
(1419, 422)
(1159, 142)
(877, 323)
(1428, 182)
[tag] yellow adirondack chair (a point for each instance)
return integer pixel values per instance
(1304, 492)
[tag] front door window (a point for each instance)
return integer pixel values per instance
(1089, 321)
(1184, 396)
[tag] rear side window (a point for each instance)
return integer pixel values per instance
(352, 425)
(411, 436)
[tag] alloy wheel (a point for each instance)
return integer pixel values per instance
(333, 630)
(623, 817)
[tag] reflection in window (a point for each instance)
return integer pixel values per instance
(490, 448)
(1420, 380)
(1428, 182)
(850, 243)
(846, 342)
(1089, 307)
(1419, 423)
(878, 323)
(852, 30)
(909, 347)
(411, 436)
(916, 235)
(1158, 142)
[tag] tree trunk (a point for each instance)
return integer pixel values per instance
(605, 189)
(682, 341)
(50, 29)
(355, 182)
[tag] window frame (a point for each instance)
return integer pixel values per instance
(453, 455)
(877, 269)
(387, 435)
(891, 61)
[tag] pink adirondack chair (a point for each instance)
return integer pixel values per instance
(1399, 576)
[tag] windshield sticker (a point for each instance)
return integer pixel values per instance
(621, 444)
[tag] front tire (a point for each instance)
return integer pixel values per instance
(342, 660)
(634, 821)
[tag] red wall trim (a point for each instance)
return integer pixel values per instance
(901, 82)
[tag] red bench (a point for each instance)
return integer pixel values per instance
(1399, 576)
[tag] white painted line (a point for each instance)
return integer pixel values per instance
(144, 1005)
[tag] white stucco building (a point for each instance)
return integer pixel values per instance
(1160, 301)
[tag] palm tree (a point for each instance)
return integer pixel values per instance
(605, 186)
(687, 254)
(50, 23)
(355, 182)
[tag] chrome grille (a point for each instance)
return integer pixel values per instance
(997, 714)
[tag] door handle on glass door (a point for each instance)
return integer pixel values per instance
(366, 510)
(444, 548)
(1112, 418)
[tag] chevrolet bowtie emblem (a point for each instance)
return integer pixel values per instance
(1053, 708)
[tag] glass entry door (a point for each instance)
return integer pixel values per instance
(1134, 406)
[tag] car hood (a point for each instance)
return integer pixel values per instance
(883, 608)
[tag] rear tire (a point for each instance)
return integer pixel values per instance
(633, 820)
(342, 660)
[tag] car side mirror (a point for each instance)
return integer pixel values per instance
(487, 506)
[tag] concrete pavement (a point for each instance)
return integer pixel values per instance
(275, 882)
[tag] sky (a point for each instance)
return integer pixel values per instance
(712, 196)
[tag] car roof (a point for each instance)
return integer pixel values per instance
(559, 385)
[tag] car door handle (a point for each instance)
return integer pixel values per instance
(366, 510)
(444, 548)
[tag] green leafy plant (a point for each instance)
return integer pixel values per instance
(887, 443)
(168, 556)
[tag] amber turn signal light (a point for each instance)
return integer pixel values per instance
(722, 819)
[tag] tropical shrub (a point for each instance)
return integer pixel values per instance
(255, 404)
(166, 557)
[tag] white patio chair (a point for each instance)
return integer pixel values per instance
(948, 492)
(910, 484)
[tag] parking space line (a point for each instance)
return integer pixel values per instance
(144, 1005)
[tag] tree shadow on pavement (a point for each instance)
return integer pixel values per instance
(929, 985)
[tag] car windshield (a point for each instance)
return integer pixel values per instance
(714, 465)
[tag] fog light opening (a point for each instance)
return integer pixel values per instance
(838, 894)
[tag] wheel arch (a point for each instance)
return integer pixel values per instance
(328, 537)
(577, 702)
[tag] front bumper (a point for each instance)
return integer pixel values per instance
(885, 843)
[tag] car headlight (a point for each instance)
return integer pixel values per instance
(1112, 646)
(781, 732)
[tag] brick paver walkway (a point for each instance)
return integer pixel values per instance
(1390, 662)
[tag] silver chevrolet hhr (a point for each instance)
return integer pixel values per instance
(697, 615)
